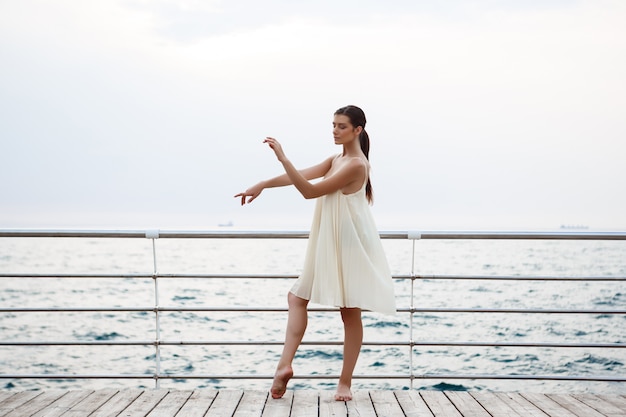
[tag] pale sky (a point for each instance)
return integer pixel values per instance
(484, 114)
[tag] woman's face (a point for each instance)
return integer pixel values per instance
(343, 131)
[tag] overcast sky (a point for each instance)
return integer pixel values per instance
(483, 114)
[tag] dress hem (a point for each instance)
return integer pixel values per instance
(387, 313)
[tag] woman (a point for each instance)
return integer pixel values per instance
(345, 265)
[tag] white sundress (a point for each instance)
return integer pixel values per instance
(345, 264)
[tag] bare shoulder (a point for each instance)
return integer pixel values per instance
(351, 166)
(358, 164)
(355, 167)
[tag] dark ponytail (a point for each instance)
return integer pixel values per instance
(357, 118)
(364, 140)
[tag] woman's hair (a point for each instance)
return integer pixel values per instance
(357, 118)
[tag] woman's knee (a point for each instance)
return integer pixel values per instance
(351, 316)
(296, 302)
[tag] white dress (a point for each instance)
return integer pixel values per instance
(345, 264)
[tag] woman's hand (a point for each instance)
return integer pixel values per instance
(278, 150)
(252, 192)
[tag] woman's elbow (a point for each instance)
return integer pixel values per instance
(310, 194)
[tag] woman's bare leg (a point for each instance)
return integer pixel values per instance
(353, 339)
(296, 325)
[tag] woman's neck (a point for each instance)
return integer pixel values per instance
(352, 148)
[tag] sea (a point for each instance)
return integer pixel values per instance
(429, 259)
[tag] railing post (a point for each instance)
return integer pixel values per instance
(413, 236)
(153, 235)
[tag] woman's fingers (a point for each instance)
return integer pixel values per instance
(243, 197)
(276, 147)
(273, 143)
(245, 194)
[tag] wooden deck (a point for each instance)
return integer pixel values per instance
(164, 403)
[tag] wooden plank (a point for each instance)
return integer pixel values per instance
(305, 403)
(117, 403)
(4, 395)
(466, 404)
(412, 404)
(144, 403)
(575, 406)
(547, 405)
(198, 403)
(280, 406)
(386, 404)
(361, 404)
(63, 404)
(225, 403)
(617, 400)
(520, 404)
(331, 407)
(601, 405)
(171, 404)
(439, 404)
(36, 403)
(494, 404)
(251, 404)
(91, 403)
(17, 400)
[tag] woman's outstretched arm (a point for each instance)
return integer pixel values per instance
(316, 171)
(353, 171)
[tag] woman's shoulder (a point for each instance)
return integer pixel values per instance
(355, 166)
(359, 162)
(349, 159)
(349, 162)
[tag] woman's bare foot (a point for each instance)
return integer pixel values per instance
(343, 393)
(281, 378)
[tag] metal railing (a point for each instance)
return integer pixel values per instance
(411, 310)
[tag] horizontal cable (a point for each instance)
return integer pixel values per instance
(117, 276)
(512, 278)
(284, 309)
(511, 310)
(237, 234)
(306, 343)
(605, 378)
(294, 276)
(145, 276)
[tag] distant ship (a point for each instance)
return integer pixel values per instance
(574, 226)
(228, 224)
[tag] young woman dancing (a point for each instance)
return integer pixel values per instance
(345, 265)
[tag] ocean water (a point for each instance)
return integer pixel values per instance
(254, 256)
